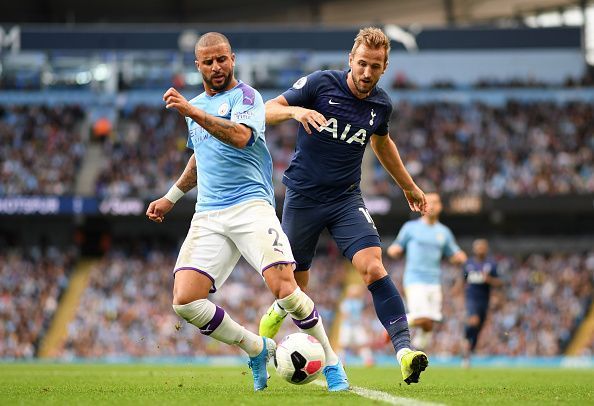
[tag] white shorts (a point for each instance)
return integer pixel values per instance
(218, 238)
(355, 335)
(423, 301)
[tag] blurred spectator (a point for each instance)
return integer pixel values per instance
(30, 286)
(40, 149)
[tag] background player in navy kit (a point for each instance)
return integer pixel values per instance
(340, 112)
(480, 274)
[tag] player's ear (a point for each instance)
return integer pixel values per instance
(385, 66)
(233, 59)
(197, 64)
(351, 60)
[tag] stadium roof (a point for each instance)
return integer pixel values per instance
(304, 12)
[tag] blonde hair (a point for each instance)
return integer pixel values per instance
(372, 37)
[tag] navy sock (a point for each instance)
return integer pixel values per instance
(390, 311)
(471, 333)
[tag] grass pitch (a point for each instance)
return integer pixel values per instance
(200, 385)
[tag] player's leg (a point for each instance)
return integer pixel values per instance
(266, 247)
(476, 314)
(424, 310)
(302, 225)
(353, 230)
(205, 261)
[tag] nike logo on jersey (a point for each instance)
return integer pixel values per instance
(331, 102)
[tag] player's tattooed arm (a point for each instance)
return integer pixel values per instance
(231, 133)
(189, 178)
(386, 151)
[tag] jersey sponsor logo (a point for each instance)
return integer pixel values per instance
(223, 109)
(300, 83)
(360, 136)
(476, 277)
(198, 134)
(332, 102)
(244, 115)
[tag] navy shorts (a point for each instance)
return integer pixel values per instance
(347, 220)
(477, 308)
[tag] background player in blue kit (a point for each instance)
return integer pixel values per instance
(235, 213)
(480, 274)
(340, 112)
(425, 241)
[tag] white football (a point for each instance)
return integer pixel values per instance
(299, 358)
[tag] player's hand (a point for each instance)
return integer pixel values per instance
(174, 99)
(416, 199)
(309, 117)
(157, 209)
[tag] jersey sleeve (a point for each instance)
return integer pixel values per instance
(451, 246)
(303, 92)
(403, 236)
(384, 128)
(248, 109)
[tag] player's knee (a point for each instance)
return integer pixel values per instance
(280, 280)
(372, 271)
(183, 297)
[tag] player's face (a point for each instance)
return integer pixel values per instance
(216, 64)
(434, 205)
(480, 248)
(367, 66)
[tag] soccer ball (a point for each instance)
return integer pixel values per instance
(299, 358)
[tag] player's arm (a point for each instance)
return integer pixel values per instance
(186, 182)
(493, 279)
(386, 151)
(279, 110)
(395, 251)
(458, 258)
(231, 133)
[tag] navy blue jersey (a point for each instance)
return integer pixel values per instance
(475, 273)
(327, 163)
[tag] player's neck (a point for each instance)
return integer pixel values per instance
(211, 92)
(353, 88)
(429, 220)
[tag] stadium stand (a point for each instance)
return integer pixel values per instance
(31, 283)
(41, 148)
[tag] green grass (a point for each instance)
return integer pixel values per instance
(48, 384)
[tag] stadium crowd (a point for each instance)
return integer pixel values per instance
(517, 149)
(145, 156)
(126, 310)
(41, 149)
(30, 285)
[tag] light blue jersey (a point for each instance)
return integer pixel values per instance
(425, 245)
(228, 175)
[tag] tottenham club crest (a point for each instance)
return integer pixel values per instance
(373, 114)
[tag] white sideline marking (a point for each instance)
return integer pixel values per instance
(385, 397)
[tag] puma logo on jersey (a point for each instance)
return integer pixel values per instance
(373, 114)
(332, 127)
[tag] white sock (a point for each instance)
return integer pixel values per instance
(401, 353)
(215, 322)
(279, 310)
(302, 310)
